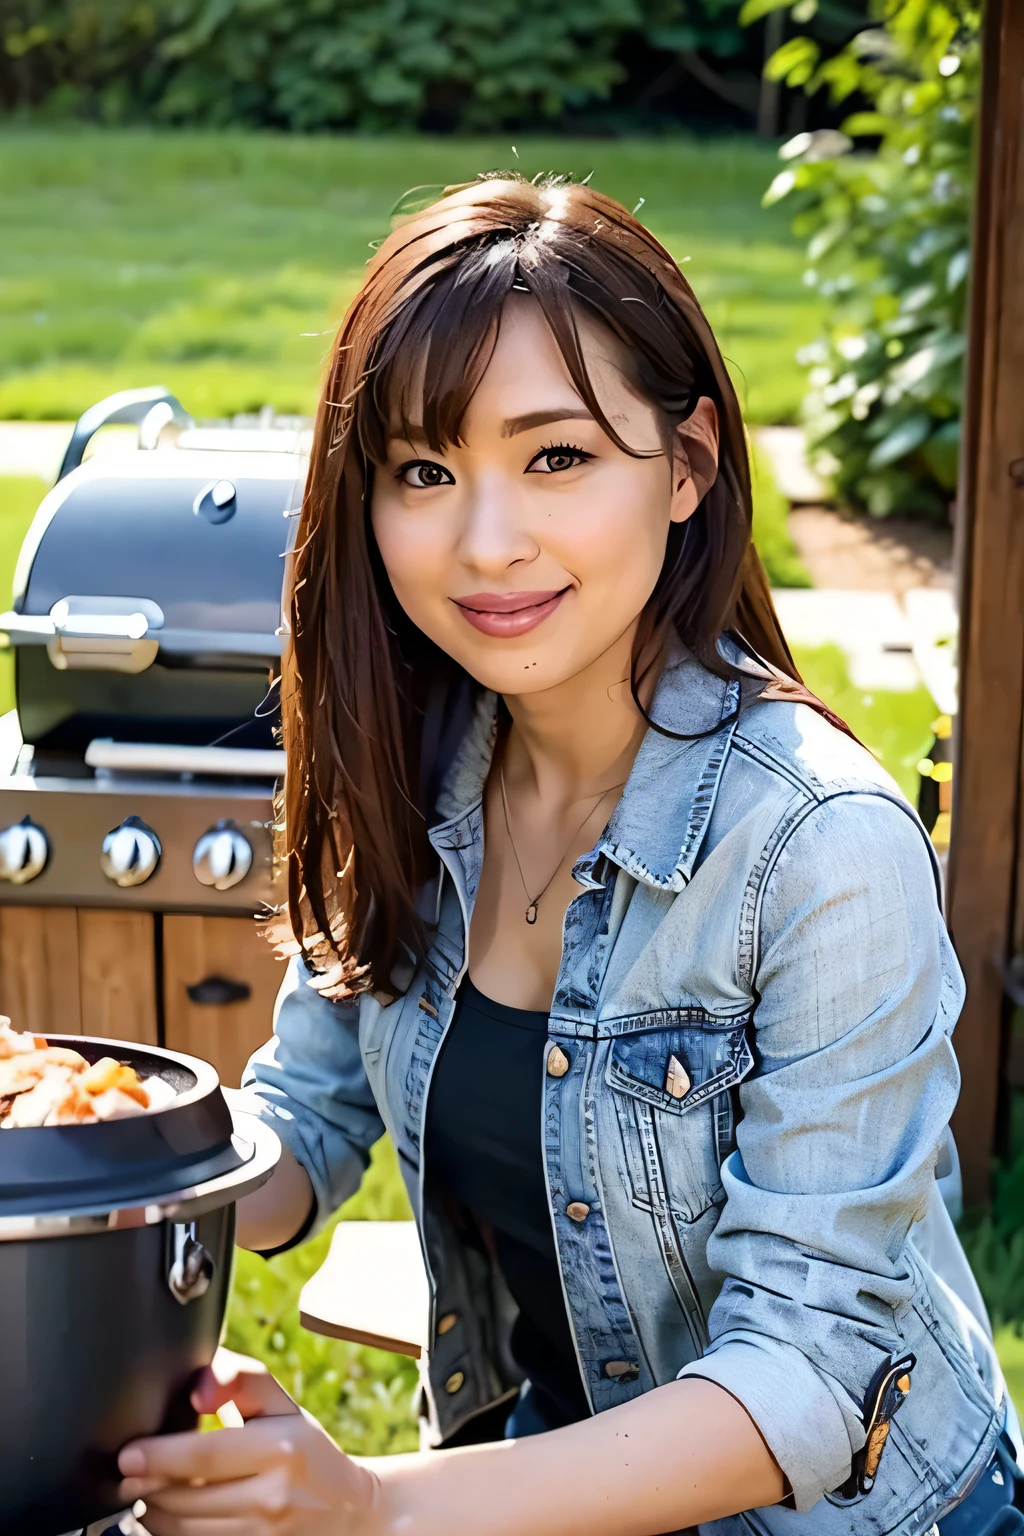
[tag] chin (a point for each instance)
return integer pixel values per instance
(528, 671)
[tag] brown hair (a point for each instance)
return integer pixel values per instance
(370, 704)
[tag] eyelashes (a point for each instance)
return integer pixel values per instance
(556, 458)
(429, 475)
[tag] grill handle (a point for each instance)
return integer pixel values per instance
(128, 405)
(170, 757)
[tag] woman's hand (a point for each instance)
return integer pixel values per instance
(279, 1472)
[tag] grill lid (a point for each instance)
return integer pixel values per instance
(130, 558)
(147, 596)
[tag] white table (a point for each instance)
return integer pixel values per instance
(371, 1288)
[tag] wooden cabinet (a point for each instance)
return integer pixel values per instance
(220, 982)
(117, 975)
(39, 986)
(204, 985)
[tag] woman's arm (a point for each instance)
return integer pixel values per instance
(309, 1084)
(680, 1455)
(273, 1216)
(858, 991)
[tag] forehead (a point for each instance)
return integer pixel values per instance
(525, 373)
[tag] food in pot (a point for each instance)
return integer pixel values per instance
(43, 1084)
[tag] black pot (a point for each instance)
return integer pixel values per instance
(115, 1263)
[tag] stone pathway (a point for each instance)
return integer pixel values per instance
(883, 588)
(33, 448)
(37, 447)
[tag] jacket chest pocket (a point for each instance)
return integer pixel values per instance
(675, 1110)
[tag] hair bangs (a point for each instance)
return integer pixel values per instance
(430, 359)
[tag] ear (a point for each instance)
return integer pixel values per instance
(694, 459)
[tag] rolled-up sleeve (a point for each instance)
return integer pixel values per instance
(857, 993)
(308, 1082)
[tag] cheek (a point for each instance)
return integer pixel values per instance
(414, 551)
(616, 547)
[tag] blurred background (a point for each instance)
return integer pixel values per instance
(189, 190)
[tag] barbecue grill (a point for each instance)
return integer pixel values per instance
(137, 770)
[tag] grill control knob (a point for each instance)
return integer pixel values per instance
(222, 857)
(131, 853)
(24, 850)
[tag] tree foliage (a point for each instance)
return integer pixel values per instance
(887, 231)
(316, 64)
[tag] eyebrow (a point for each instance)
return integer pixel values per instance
(415, 433)
(517, 424)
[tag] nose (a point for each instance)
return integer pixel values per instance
(494, 534)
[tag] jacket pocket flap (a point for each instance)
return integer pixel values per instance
(677, 1069)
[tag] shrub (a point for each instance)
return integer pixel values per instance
(887, 232)
(315, 64)
(772, 538)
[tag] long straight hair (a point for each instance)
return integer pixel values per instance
(367, 699)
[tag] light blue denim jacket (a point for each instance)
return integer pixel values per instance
(762, 906)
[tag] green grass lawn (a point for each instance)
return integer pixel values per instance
(896, 727)
(214, 263)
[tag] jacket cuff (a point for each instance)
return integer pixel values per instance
(286, 1128)
(797, 1414)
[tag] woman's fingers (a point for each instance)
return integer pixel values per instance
(266, 1494)
(216, 1457)
(276, 1476)
(247, 1383)
(160, 1524)
(134, 1488)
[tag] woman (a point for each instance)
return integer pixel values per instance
(634, 953)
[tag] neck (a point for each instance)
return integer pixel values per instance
(581, 737)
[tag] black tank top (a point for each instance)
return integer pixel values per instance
(483, 1150)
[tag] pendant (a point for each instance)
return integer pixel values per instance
(531, 913)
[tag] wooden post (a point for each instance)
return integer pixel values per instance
(986, 876)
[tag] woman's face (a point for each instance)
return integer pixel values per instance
(530, 549)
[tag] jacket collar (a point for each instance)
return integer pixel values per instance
(657, 828)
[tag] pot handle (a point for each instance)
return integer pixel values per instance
(191, 1265)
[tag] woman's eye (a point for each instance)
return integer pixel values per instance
(422, 474)
(550, 461)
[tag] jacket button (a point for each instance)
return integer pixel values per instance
(454, 1382)
(577, 1211)
(447, 1323)
(558, 1062)
(622, 1371)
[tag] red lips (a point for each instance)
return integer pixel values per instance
(508, 614)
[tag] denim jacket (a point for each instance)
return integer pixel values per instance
(762, 913)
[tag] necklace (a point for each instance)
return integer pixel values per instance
(533, 901)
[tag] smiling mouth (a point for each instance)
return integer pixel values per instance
(508, 614)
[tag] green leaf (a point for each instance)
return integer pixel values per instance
(860, 125)
(781, 187)
(901, 441)
(942, 453)
(754, 10)
(794, 62)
